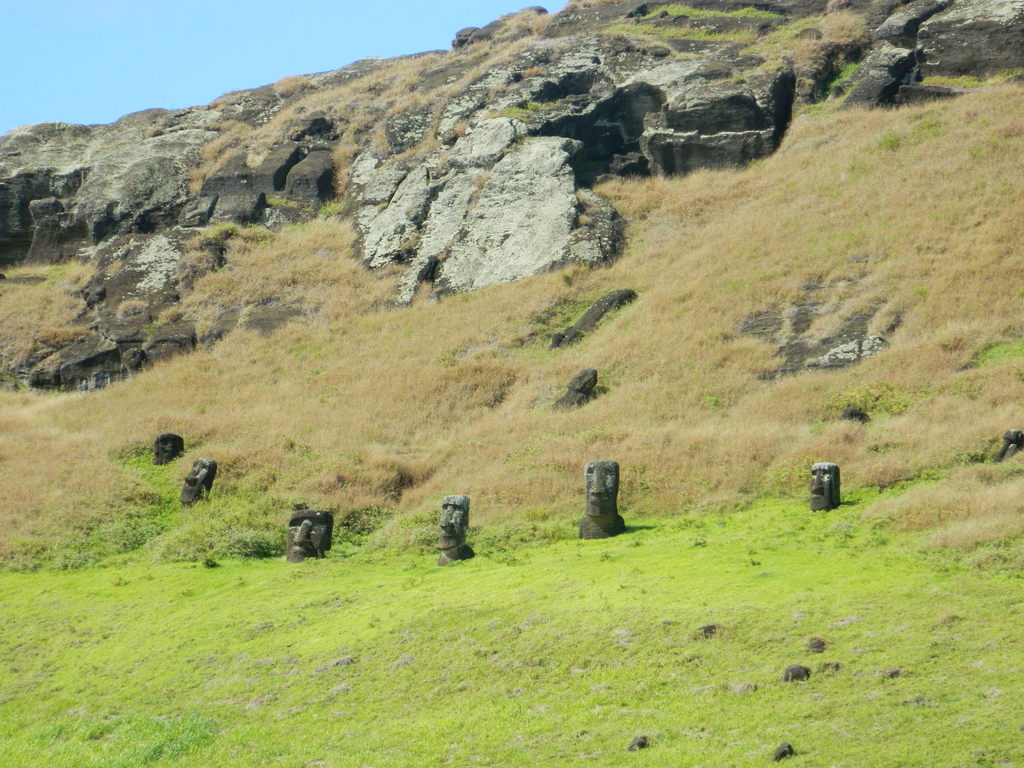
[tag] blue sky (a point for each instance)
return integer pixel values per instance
(92, 61)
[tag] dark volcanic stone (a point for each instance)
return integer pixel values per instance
(816, 645)
(590, 319)
(311, 181)
(167, 447)
(580, 390)
(796, 673)
(601, 518)
(856, 414)
(199, 481)
(783, 751)
(640, 742)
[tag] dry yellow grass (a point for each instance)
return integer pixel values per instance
(915, 209)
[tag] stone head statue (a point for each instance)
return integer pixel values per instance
(199, 480)
(824, 486)
(601, 517)
(1013, 441)
(454, 526)
(167, 447)
(309, 534)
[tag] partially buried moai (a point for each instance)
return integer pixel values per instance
(454, 525)
(824, 486)
(199, 480)
(601, 517)
(1013, 441)
(167, 447)
(309, 534)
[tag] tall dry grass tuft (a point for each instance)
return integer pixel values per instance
(913, 212)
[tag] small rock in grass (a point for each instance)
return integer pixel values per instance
(892, 673)
(831, 666)
(742, 687)
(783, 751)
(709, 630)
(796, 673)
(640, 742)
(816, 645)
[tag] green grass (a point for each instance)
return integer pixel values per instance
(676, 9)
(553, 654)
(999, 352)
(682, 33)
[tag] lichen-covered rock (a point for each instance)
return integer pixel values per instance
(973, 37)
(901, 27)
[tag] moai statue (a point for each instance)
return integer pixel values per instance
(824, 486)
(309, 534)
(199, 480)
(580, 391)
(167, 447)
(601, 517)
(1013, 441)
(454, 524)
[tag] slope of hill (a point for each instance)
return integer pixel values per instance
(560, 653)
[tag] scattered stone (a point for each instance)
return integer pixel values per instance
(167, 447)
(742, 687)
(831, 666)
(796, 673)
(454, 525)
(856, 414)
(640, 742)
(601, 518)
(824, 486)
(783, 751)
(709, 630)
(344, 662)
(579, 392)
(1013, 441)
(816, 645)
(892, 673)
(309, 534)
(199, 481)
(587, 323)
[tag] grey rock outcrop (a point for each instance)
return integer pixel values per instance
(879, 77)
(973, 37)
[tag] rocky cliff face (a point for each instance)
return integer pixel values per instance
(479, 172)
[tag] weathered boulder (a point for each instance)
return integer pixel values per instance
(579, 392)
(974, 37)
(901, 27)
(311, 180)
(879, 77)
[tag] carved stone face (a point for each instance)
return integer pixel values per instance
(199, 480)
(167, 447)
(454, 521)
(601, 482)
(824, 486)
(309, 534)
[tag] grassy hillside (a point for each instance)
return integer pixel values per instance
(549, 654)
(912, 215)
